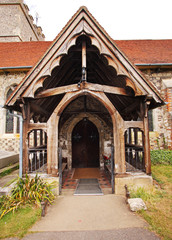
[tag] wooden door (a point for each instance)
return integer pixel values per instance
(85, 145)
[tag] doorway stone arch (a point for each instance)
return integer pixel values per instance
(65, 136)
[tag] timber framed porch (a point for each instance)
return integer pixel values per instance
(84, 79)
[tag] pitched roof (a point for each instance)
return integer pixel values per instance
(21, 54)
(83, 22)
(26, 54)
(147, 51)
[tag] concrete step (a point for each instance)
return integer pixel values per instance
(9, 167)
(7, 158)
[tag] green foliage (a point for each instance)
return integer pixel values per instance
(161, 157)
(8, 171)
(162, 173)
(17, 225)
(158, 200)
(146, 195)
(140, 192)
(159, 181)
(27, 191)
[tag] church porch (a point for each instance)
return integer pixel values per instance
(86, 105)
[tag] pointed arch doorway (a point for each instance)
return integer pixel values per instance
(85, 145)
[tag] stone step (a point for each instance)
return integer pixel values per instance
(9, 167)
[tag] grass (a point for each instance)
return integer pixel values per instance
(20, 210)
(17, 224)
(161, 156)
(8, 171)
(158, 201)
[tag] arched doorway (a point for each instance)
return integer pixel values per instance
(85, 145)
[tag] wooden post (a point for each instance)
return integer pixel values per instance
(52, 144)
(146, 139)
(41, 137)
(35, 138)
(84, 64)
(26, 119)
(84, 61)
(119, 144)
(136, 136)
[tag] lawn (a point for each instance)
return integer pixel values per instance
(159, 201)
(17, 224)
(20, 210)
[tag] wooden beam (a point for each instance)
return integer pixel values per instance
(106, 89)
(130, 108)
(38, 109)
(74, 88)
(133, 124)
(33, 126)
(58, 91)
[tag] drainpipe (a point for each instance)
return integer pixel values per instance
(21, 142)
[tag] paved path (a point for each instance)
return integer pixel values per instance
(90, 218)
(117, 234)
(104, 217)
(76, 213)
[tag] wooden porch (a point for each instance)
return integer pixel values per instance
(83, 75)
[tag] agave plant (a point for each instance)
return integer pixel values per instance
(27, 191)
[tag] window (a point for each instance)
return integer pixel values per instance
(150, 119)
(9, 118)
(12, 123)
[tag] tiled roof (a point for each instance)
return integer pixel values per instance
(147, 51)
(21, 54)
(25, 54)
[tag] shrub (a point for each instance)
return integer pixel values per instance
(27, 191)
(161, 157)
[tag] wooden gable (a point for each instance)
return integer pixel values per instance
(60, 70)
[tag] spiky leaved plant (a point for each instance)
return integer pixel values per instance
(27, 191)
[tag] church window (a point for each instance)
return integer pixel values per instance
(150, 119)
(12, 124)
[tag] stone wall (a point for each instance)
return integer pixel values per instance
(161, 137)
(8, 142)
(16, 23)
